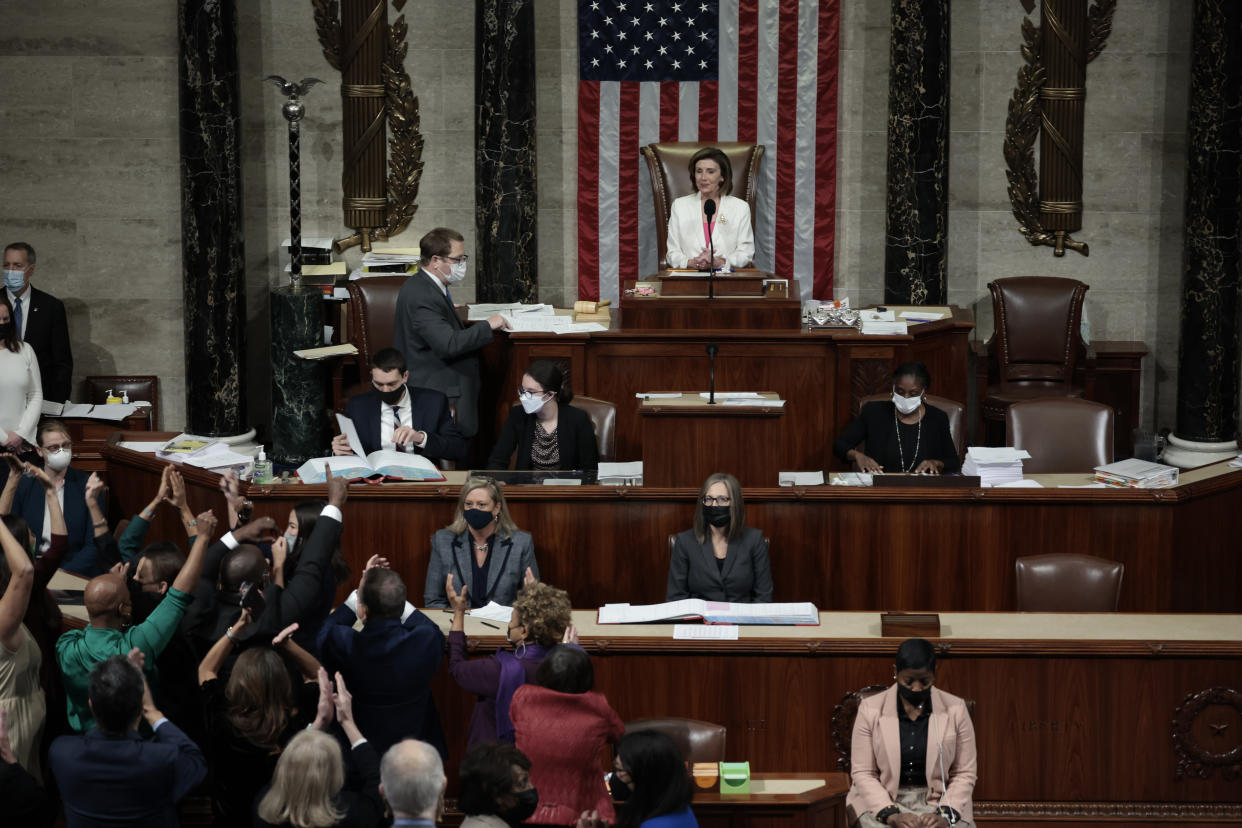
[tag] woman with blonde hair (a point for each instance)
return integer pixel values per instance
(308, 787)
(482, 549)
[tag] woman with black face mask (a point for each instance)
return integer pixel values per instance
(912, 757)
(650, 782)
(721, 558)
(495, 787)
(487, 555)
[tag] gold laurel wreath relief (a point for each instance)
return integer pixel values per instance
(404, 166)
(1022, 127)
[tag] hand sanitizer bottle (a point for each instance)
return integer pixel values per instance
(262, 468)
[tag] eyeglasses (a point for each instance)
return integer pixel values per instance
(457, 259)
(527, 394)
(723, 500)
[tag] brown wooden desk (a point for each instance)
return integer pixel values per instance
(820, 807)
(686, 439)
(842, 548)
(89, 436)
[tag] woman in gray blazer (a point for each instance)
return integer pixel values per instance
(483, 551)
(721, 558)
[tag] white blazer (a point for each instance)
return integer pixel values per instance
(732, 235)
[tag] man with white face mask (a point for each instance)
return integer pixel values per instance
(441, 351)
(72, 488)
(40, 320)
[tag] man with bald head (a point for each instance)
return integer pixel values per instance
(412, 781)
(110, 630)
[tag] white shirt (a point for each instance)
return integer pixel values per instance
(404, 417)
(21, 392)
(436, 281)
(25, 308)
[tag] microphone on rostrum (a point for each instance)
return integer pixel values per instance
(712, 348)
(709, 210)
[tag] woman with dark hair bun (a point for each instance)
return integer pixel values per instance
(728, 227)
(903, 435)
(548, 433)
(649, 777)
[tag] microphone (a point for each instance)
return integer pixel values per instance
(709, 210)
(712, 349)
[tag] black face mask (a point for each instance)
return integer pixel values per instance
(524, 808)
(619, 789)
(717, 516)
(143, 602)
(917, 698)
(478, 518)
(392, 397)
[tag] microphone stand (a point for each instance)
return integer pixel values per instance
(712, 348)
(711, 253)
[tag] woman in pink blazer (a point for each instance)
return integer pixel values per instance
(912, 757)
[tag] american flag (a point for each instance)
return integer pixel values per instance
(762, 71)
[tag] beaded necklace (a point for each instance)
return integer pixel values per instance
(918, 439)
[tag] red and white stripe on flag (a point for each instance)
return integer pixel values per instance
(777, 87)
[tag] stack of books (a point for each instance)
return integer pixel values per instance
(392, 260)
(994, 465)
(1137, 474)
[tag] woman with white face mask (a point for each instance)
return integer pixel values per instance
(903, 435)
(547, 432)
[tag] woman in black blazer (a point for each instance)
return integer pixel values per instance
(547, 431)
(721, 558)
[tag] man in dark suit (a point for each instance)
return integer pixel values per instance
(442, 352)
(393, 415)
(56, 449)
(40, 320)
(112, 776)
(389, 664)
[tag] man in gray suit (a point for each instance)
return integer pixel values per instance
(442, 352)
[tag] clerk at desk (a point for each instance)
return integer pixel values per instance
(395, 416)
(903, 435)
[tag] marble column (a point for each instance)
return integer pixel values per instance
(298, 396)
(1207, 379)
(916, 239)
(505, 217)
(212, 255)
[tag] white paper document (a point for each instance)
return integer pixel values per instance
(659, 395)
(753, 403)
(492, 612)
(852, 479)
(1024, 483)
(137, 445)
(997, 454)
(734, 395)
(537, 323)
(705, 632)
(921, 316)
(713, 612)
(794, 478)
(482, 311)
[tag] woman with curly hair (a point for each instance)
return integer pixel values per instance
(541, 618)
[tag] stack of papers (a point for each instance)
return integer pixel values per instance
(183, 446)
(620, 474)
(712, 612)
(1137, 474)
(852, 479)
(751, 398)
(114, 412)
(482, 311)
(793, 478)
(1236, 462)
(492, 612)
(539, 323)
(881, 322)
(994, 465)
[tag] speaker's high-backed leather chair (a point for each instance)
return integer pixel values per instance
(603, 416)
(1036, 348)
(955, 411)
(372, 322)
(1063, 582)
(141, 388)
(669, 165)
(1062, 434)
(698, 741)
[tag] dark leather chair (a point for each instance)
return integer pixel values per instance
(603, 416)
(698, 741)
(1036, 349)
(669, 166)
(372, 323)
(1064, 582)
(1062, 434)
(955, 411)
(841, 727)
(139, 387)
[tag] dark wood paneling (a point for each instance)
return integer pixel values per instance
(681, 447)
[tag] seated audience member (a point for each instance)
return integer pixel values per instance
(541, 617)
(931, 732)
(482, 549)
(308, 786)
(253, 716)
(235, 561)
(295, 542)
(547, 431)
(563, 726)
(109, 631)
(21, 695)
(171, 491)
(495, 789)
(649, 776)
(389, 662)
(721, 558)
(397, 416)
(904, 435)
(412, 781)
(25, 802)
(112, 776)
(21, 390)
(56, 449)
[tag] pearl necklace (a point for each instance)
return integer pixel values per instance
(918, 439)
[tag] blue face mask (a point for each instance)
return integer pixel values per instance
(14, 280)
(291, 541)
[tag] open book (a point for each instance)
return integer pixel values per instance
(396, 464)
(712, 612)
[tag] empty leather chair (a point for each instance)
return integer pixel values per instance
(669, 166)
(140, 387)
(698, 741)
(372, 321)
(955, 411)
(1062, 434)
(1064, 582)
(603, 416)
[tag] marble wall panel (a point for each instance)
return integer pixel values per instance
(87, 27)
(35, 91)
(124, 97)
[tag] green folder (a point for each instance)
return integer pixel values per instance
(735, 777)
